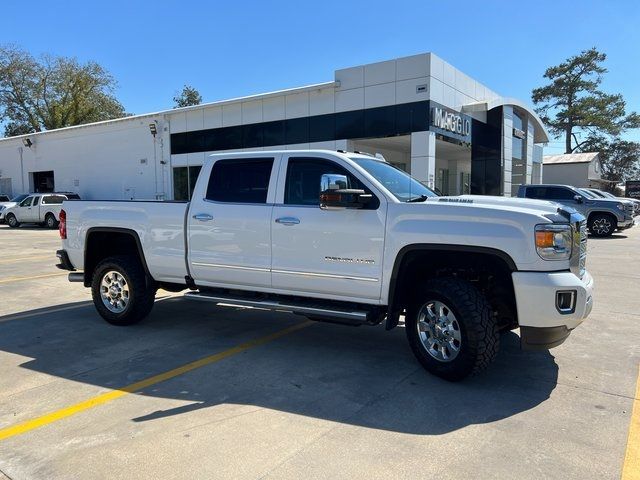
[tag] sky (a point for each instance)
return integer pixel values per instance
(232, 49)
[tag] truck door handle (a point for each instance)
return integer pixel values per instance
(203, 217)
(288, 220)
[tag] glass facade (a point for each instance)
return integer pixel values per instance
(379, 122)
(486, 165)
(184, 181)
(481, 172)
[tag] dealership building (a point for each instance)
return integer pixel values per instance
(422, 114)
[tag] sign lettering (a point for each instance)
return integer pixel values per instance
(451, 121)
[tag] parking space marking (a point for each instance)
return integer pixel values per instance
(33, 257)
(631, 467)
(96, 401)
(43, 311)
(56, 309)
(34, 277)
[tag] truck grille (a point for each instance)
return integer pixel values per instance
(583, 247)
(579, 251)
(628, 209)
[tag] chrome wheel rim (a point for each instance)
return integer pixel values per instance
(114, 291)
(602, 226)
(11, 220)
(439, 331)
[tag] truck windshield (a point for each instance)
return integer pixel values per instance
(587, 193)
(399, 183)
(19, 198)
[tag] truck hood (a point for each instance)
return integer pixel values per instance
(8, 204)
(507, 203)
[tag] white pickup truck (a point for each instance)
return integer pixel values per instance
(342, 237)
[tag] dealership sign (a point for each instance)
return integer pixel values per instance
(632, 189)
(448, 122)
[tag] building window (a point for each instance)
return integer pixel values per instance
(442, 181)
(465, 183)
(184, 181)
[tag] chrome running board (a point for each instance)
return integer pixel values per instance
(310, 309)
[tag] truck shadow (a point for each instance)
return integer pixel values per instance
(359, 376)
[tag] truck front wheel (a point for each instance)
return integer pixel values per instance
(450, 329)
(12, 221)
(602, 224)
(121, 292)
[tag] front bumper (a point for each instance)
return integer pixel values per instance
(542, 324)
(628, 222)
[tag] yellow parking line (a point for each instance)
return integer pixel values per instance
(20, 279)
(33, 257)
(631, 467)
(56, 415)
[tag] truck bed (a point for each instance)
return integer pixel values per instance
(160, 226)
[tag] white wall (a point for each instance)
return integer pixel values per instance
(98, 162)
(576, 174)
(396, 81)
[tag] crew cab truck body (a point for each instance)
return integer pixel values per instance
(604, 215)
(342, 237)
(41, 208)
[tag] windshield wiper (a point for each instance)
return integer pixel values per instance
(421, 198)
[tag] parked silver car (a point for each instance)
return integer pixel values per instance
(40, 208)
(604, 215)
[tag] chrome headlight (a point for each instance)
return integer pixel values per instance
(620, 206)
(554, 241)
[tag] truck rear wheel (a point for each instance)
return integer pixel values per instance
(50, 221)
(602, 224)
(450, 329)
(121, 291)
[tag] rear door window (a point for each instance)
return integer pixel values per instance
(559, 193)
(53, 199)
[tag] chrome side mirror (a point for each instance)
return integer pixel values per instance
(333, 181)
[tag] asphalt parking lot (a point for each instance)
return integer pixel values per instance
(197, 391)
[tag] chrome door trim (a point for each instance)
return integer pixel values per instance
(326, 275)
(234, 267)
(286, 272)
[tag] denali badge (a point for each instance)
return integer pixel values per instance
(350, 260)
(455, 200)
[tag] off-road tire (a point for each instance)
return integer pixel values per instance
(142, 290)
(12, 221)
(603, 218)
(480, 336)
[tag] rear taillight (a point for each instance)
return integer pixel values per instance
(62, 227)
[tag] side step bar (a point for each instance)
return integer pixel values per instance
(315, 312)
